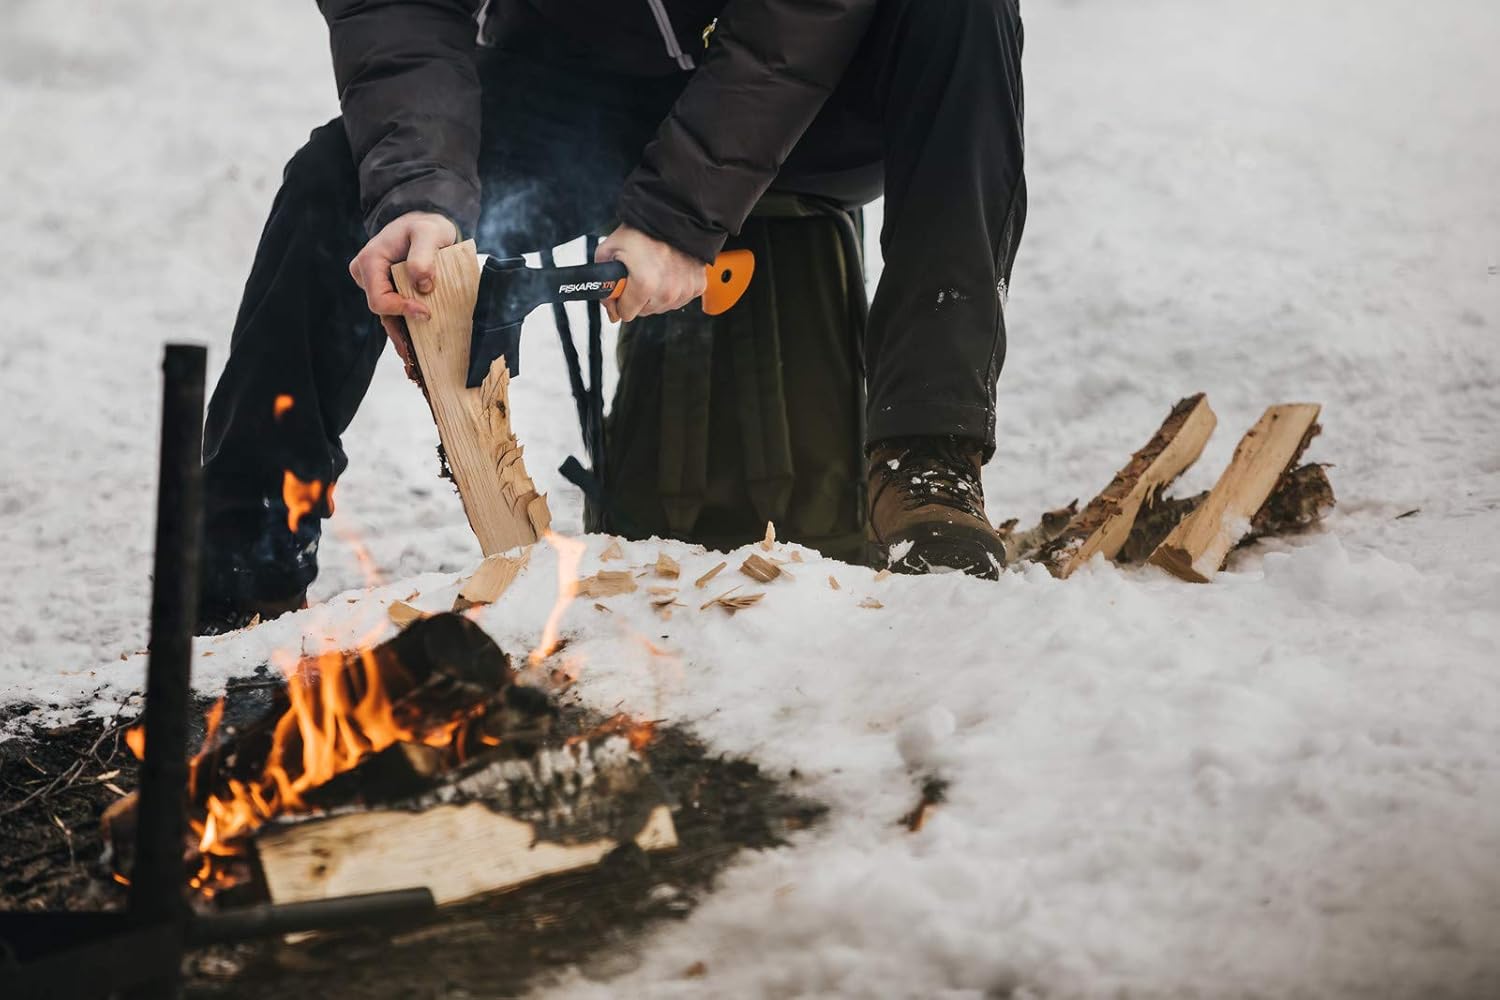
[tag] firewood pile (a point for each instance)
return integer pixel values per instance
(1265, 490)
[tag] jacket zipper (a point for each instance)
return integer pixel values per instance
(664, 25)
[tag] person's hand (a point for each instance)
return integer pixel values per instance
(415, 237)
(662, 278)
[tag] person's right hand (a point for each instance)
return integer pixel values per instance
(415, 237)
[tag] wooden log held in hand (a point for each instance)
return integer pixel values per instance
(502, 503)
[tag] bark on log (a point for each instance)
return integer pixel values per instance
(1104, 525)
(1197, 547)
(501, 502)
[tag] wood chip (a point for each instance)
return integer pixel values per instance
(115, 788)
(770, 538)
(404, 614)
(870, 602)
(491, 580)
(667, 568)
(732, 602)
(796, 555)
(883, 574)
(703, 580)
(661, 591)
(664, 605)
(612, 551)
(834, 583)
(759, 569)
(602, 607)
(607, 583)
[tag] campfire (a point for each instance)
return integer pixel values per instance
(428, 737)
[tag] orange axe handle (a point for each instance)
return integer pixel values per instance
(728, 277)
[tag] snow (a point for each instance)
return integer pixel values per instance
(1286, 783)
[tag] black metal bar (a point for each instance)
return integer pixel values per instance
(271, 919)
(156, 884)
(99, 964)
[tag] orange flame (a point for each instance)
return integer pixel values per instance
(569, 555)
(282, 405)
(135, 739)
(300, 498)
(339, 711)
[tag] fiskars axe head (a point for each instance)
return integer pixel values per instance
(509, 291)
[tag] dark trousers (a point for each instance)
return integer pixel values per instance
(930, 113)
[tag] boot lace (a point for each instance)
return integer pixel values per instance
(935, 471)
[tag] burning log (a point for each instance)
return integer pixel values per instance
(501, 501)
(1105, 523)
(1196, 548)
(419, 761)
(495, 825)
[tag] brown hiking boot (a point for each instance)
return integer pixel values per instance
(927, 509)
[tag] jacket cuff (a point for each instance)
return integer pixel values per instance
(673, 227)
(444, 195)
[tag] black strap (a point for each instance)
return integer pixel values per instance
(588, 398)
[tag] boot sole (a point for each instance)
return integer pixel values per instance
(943, 548)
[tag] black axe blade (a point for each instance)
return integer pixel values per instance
(509, 291)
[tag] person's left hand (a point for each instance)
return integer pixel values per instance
(662, 278)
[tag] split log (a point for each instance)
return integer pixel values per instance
(1300, 500)
(501, 501)
(1104, 525)
(497, 826)
(1197, 547)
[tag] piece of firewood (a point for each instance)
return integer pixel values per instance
(607, 583)
(495, 828)
(1196, 549)
(491, 580)
(501, 502)
(759, 569)
(731, 601)
(1302, 497)
(1103, 525)
(704, 580)
(403, 614)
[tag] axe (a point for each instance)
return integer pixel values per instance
(509, 291)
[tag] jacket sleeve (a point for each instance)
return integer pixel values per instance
(410, 97)
(770, 68)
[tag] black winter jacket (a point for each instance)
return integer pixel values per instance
(410, 96)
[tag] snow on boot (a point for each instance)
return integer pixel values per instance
(927, 509)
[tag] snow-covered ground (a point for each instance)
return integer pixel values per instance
(1283, 784)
